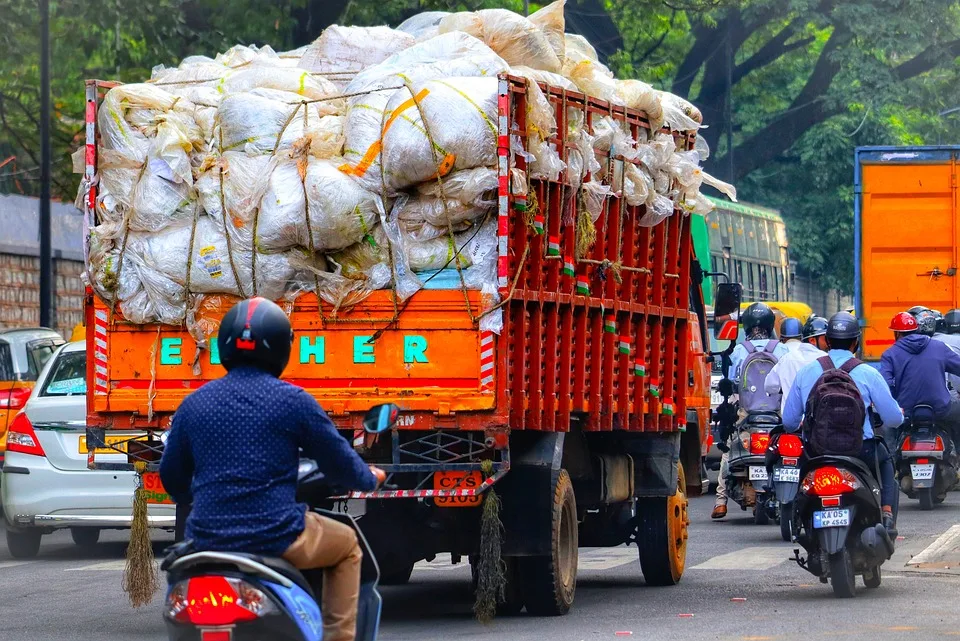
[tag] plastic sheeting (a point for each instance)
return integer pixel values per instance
(515, 38)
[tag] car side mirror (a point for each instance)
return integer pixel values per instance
(726, 311)
(381, 418)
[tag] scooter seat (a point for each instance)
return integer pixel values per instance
(763, 419)
(206, 561)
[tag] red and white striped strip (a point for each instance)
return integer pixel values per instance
(358, 439)
(487, 360)
(100, 376)
(421, 494)
(503, 191)
(90, 166)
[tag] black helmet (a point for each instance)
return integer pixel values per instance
(843, 326)
(815, 326)
(916, 309)
(255, 332)
(951, 322)
(927, 320)
(758, 316)
(790, 328)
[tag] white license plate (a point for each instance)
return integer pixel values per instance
(787, 474)
(831, 518)
(921, 472)
(758, 473)
(716, 398)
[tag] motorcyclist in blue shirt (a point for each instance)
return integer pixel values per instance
(233, 451)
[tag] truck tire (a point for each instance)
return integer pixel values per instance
(662, 535)
(399, 575)
(85, 537)
(24, 544)
(549, 582)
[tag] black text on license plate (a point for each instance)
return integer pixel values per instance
(831, 518)
(787, 474)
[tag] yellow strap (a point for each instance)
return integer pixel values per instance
(368, 158)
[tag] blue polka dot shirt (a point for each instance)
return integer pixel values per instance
(233, 451)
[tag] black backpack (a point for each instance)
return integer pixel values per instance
(835, 412)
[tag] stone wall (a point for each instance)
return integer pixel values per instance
(20, 292)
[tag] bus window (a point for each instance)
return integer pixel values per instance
(751, 286)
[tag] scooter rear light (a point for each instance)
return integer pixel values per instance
(759, 442)
(217, 600)
(923, 461)
(931, 445)
(789, 445)
(830, 501)
(216, 635)
(829, 481)
(790, 461)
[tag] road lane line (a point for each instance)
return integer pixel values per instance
(746, 559)
(601, 559)
(13, 564)
(933, 553)
(108, 566)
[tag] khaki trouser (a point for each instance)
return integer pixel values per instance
(331, 545)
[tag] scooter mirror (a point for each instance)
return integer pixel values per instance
(381, 418)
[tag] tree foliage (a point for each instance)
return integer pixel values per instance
(787, 87)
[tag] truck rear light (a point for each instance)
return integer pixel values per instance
(15, 399)
(789, 445)
(22, 438)
(829, 481)
(759, 442)
(217, 601)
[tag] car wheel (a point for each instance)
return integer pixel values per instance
(85, 537)
(24, 544)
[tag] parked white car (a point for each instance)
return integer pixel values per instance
(46, 483)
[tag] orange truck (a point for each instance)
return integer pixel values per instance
(588, 413)
(906, 236)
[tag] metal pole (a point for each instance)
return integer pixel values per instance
(731, 167)
(46, 264)
(526, 7)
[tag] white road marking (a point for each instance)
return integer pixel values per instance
(607, 558)
(108, 566)
(945, 543)
(441, 564)
(746, 559)
(13, 564)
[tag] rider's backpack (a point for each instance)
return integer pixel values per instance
(835, 413)
(753, 374)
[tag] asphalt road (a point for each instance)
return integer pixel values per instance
(738, 585)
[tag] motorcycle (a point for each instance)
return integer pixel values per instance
(747, 465)
(924, 466)
(230, 596)
(783, 465)
(839, 512)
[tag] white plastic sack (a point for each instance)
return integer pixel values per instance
(341, 211)
(244, 179)
(349, 49)
(253, 121)
(546, 77)
(576, 50)
(461, 117)
(423, 25)
(476, 186)
(513, 37)
(550, 21)
(473, 247)
(292, 80)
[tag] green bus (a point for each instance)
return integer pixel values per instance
(747, 242)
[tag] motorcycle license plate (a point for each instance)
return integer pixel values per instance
(921, 472)
(758, 473)
(831, 518)
(715, 398)
(787, 474)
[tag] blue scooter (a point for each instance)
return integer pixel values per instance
(229, 596)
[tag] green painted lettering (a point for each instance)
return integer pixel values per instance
(362, 350)
(214, 351)
(414, 349)
(170, 351)
(314, 350)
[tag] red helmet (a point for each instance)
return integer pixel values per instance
(904, 322)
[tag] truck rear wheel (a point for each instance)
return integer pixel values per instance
(662, 535)
(550, 581)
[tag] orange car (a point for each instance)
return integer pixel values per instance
(23, 353)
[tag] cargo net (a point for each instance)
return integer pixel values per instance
(366, 161)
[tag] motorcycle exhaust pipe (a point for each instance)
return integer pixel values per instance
(876, 542)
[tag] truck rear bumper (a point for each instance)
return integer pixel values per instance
(77, 520)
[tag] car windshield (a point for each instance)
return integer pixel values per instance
(67, 376)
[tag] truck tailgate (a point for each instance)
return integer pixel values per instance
(428, 360)
(907, 236)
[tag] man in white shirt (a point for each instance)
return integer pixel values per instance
(784, 373)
